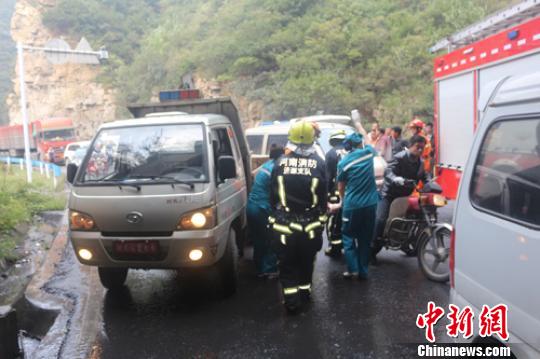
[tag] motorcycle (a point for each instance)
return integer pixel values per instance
(413, 227)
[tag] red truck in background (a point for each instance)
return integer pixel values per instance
(488, 52)
(48, 139)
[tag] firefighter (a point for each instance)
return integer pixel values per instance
(258, 210)
(334, 221)
(298, 201)
(416, 126)
(357, 187)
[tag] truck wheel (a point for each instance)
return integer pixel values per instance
(227, 266)
(112, 278)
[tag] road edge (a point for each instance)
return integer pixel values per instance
(81, 308)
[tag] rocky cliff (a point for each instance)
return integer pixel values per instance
(251, 112)
(67, 90)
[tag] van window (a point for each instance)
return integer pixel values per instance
(506, 177)
(278, 140)
(255, 143)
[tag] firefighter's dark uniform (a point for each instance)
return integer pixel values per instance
(298, 201)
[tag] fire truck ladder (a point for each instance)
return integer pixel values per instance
(495, 23)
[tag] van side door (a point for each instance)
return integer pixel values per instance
(497, 223)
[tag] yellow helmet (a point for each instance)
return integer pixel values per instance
(302, 133)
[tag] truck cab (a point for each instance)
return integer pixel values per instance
(165, 191)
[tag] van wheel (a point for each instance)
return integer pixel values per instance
(433, 255)
(227, 266)
(112, 278)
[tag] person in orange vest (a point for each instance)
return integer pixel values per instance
(416, 126)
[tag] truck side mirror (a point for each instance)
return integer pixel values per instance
(226, 167)
(71, 172)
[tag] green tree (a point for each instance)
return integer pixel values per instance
(298, 56)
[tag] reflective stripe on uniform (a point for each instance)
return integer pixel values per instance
(281, 192)
(323, 218)
(283, 239)
(336, 242)
(311, 234)
(314, 184)
(312, 226)
(305, 287)
(296, 226)
(281, 228)
(291, 290)
(271, 220)
(358, 160)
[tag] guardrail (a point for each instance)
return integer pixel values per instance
(50, 170)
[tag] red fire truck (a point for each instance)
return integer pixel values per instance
(488, 52)
(48, 138)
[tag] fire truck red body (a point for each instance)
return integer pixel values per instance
(464, 78)
(48, 138)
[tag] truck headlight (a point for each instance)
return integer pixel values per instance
(203, 218)
(81, 222)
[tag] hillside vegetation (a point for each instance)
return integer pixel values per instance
(298, 56)
(7, 55)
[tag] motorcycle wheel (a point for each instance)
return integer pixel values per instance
(433, 255)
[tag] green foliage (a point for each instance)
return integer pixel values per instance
(20, 201)
(298, 56)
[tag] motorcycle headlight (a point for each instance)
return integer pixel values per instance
(81, 222)
(204, 218)
(438, 200)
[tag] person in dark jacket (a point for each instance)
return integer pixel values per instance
(298, 205)
(336, 153)
(406, 165)
(398, 142)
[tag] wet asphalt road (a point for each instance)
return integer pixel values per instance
(156, 316)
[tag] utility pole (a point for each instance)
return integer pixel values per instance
(22, 84)
(58, 51)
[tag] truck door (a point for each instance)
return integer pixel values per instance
(231, 193)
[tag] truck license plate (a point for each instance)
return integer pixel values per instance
(136, 247)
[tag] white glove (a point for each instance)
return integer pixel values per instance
(399, 181)
(355, 115)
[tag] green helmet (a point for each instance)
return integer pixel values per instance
(337, 136)
(302, 133)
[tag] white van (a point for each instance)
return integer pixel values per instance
(261, 138)
(495, 247)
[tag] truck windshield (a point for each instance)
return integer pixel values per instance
(64, 134)
(157, 153)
